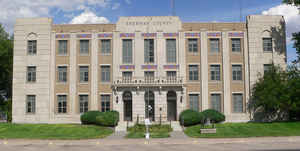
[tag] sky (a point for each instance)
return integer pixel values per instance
(108, 11)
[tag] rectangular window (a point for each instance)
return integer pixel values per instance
(149, 50)
(31, 44)
(105, 73)
(127, 75)
(30, 104)
(83, 103)
(193, 45)
(105, 103)
(61, 104)
(149, 76)
(215, 72)
(267, 44)
(62, 74)
(194, 102)
(105, 46)
(84, 73)
(267, 68)
(171, 50)
(84, 47)
(193, 73)
(216, 102)
(127, 51)
(214, 45)
(63, 46)
(237, 73)
(238, 103)
(236, 45)
(171, 75)
(31, 74)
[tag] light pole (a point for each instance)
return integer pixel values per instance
(147, 120)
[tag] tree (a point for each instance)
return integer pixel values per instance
(292, 2)
(293, 86)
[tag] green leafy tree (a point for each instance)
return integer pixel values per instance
(292, 2)
(293, 86)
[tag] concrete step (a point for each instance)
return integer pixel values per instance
(176, 126)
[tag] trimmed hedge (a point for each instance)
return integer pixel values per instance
(190, 117)
(110, 118)
(89, 117)
(214, 116)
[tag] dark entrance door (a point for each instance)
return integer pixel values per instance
(149, 105)
(127, 98)
(172, 105)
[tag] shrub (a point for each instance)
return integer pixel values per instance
(190, 117)
(110, 118)
(214, 115)
(89, 117)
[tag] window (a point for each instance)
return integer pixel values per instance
(216, 102)
(84, 73)
(194, 102)
(62, 74)
(84, 47)
(62, 48)
(105, 103)
(267, 68)
(127, 75)
(171, 75)
(105, 46)
(83, 103)
(215, 72)
(31, 44)
(30, 104)
(171, 50)
(193, 72)
(193, 45)
(236, 45)
(237, 103)
(31, 74)
(214, 45)
(267, 44)
(105, 73)
(127, 51)
(237, 72)
(62, 104)
(149, 50)
(149, 75)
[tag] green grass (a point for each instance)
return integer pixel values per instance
(240, 130)
(156, 131)
(52, 131)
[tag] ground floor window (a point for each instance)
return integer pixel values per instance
(30, 104)
(216, 102)
(83, 103)
(237, 102)
(194, 102)
(105, 103)
(62, 104)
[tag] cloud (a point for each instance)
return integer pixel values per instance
(291, 16)
(89, 17)
(128, 1)
(115, 6)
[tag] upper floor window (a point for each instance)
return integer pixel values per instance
(267, 44)
(83, 103)
(61, 104)
(215, 72)
(216, 102)
(127, 51)
(171, 50)
(193, 73)
(267, 68)
(149, 75)
(237, 102)
(105, 103)
(171, 75)
(214, 45)
(31, 74)
(30, 104)
(31, 44)
(236, 45)
(105, 46)
(193, 45)
(149, 50)
(84, 47)
(105, 73)
(63, 46)
(62, 74)
(237, 72)
(127, 75)
(194, 102)
(84, 73)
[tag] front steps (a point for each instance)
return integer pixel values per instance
(122, 126)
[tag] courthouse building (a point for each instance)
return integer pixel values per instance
(158, 63)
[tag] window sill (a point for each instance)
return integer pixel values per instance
(105, 54)
(214, 81)
(84, 83)
(62, 55)
(28, 82)
(105, 83)
(193, 53)
(62, 83)
(29, 113)
(237, 81)
(84, 55)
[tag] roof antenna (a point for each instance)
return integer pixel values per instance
(173, 7)
(241, 10)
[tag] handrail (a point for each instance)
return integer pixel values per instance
(147, 80)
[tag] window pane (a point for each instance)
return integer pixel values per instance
(214, 45)
(267, 44)
(31, 44)
(62, 48)
(105, 73)
(267, 68)
(84, 47)
(84, 73)
(193, 45)
(194, 102)
(237, 72)
(30, 105)
(62, 103)
(236, 45)
(171, 75)
(216, 102)
(105, 103)
(105, 46)
(83, 103)
(215, 72)
(193, 72)
(31, 74)
(171, 50)
(149, 76)
(62, 74)
(149, 50)
(238, 103)
(127, 51)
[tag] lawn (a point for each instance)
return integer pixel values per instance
(52, 131)
(156, 131)
(239, 130)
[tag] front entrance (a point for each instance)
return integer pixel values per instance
(172, 105)
(149, 105)
(127, 99)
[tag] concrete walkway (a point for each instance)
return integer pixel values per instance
(117, 135)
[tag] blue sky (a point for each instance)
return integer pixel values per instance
(104, 11)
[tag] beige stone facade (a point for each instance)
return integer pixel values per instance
(159, 61)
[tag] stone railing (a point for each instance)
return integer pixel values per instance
(140, 81)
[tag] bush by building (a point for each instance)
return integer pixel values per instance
(190, 117)
(213, 115)
(89, 117)
(110, 118)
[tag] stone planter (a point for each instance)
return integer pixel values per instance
(208, 131)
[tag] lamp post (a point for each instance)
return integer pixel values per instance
(147, 120)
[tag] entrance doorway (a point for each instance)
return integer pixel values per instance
(172, 105)
(127, 99)
(149, 105)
